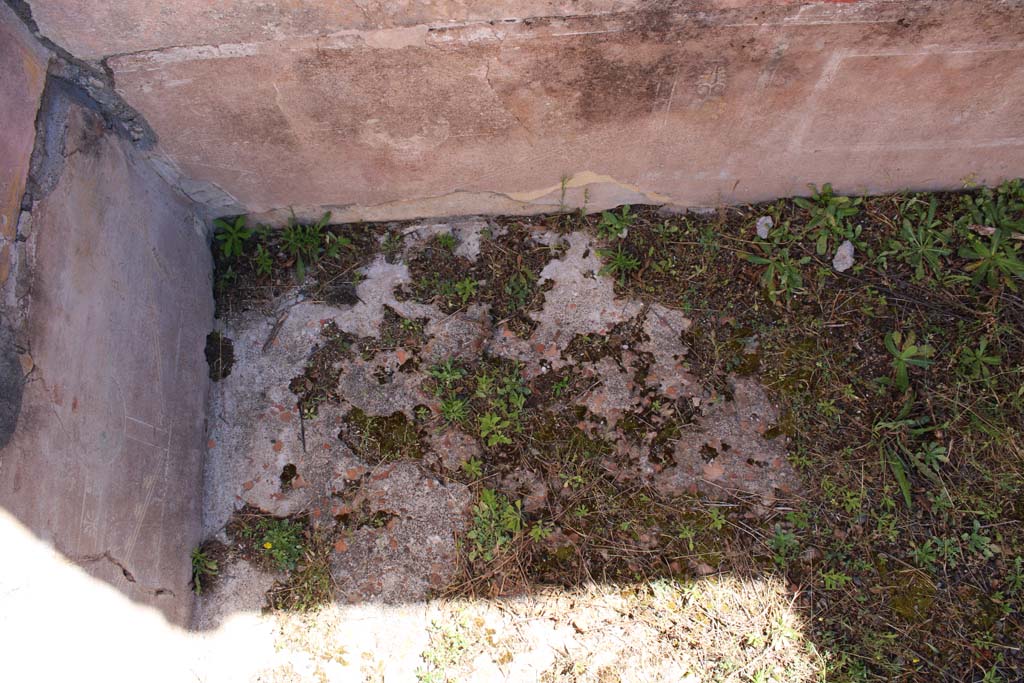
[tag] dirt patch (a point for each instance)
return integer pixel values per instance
(378, 439)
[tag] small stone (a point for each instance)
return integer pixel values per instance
(811, 555)
(764, 224)
(702, 568)
(843, 260)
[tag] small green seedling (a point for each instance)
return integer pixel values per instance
(615, 226)
(454, 409)
(334, 243)
(473, 468)
(784, 545)
(232, 236)
(781, 276)
(262, 261)
(447, 373)
(1001, 208)
(978, 362)
(496, 522)
(519, 287)
(540, 531)
(280, 540)
(906, 353)
(830, 216)
(921, 244)
(493, 430)
(466, 289)
(620, 263)
(305, 243)
(997, 260)
(204, 567)
(447, 241)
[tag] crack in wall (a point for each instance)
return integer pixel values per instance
(105, 555)
(127, 573)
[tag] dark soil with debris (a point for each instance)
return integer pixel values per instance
(480, 407)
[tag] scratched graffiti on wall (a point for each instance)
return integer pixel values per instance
(712, 81)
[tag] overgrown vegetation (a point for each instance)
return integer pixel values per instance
(256, 263)
(901, 382)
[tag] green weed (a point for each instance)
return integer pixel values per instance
(454, 409)
(447, 373)
(781, 276)
(448, 644)
(447, 241)
(978, 543)
(995, 261)
(309, 583)
(830, 216)
(494, 429)
(262, 261)
(906, 353)
(519, 287)
(921, 243)
(496, 522)
(279, 540)
(784, 545)
(1001, 208)
(304, 243)
(540, 531)
(232, 236)
(473, 468)
(204, 569)
(620, 263)
(977, 363)
(465, 289)
(615, 226)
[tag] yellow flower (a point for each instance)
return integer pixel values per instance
(268, 545)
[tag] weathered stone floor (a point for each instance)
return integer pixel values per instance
(256, 430)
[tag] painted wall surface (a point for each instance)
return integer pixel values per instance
(104, 327)
(22, 75)
(397, 110)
